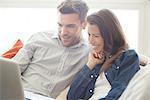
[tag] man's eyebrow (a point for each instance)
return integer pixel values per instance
(66, 24)
(71, 25)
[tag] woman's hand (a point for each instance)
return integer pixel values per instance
(95, 58)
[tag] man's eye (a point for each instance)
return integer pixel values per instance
(71, 26)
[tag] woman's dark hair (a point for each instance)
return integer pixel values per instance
(111, 30)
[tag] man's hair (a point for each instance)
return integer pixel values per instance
(74, 6)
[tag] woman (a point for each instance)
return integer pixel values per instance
(110, 66)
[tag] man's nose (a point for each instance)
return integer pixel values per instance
(64, 30)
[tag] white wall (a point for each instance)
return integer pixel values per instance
(142, 5)
(53, 3)
(145, 41)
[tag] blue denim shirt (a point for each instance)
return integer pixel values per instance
(119, 74)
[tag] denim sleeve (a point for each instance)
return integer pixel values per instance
(129, 65)
(79, 84)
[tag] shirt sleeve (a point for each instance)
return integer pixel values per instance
(80, 83)
(129, 65)
(25, 54)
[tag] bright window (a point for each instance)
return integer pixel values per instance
(23, 22)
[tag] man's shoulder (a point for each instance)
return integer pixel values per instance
(42, 37)
(46, 33)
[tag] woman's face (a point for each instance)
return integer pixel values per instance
(95, 39)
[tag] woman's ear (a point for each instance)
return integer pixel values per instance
(84, 24)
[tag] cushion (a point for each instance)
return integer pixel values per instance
(13, 51)
(139, 86)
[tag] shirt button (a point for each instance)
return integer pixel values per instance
(117, 67)
(92, 76)
(95, 75)
(91, 90)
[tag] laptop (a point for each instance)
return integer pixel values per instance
(10, 81)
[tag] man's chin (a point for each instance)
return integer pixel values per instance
(66, 44)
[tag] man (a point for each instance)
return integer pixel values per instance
(49, 61)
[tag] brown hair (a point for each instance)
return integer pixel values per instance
(111, 32)
(74, 6)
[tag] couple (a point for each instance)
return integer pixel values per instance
(49, 61)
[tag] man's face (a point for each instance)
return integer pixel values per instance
(69, 27)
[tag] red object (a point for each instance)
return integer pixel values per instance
(13, 51)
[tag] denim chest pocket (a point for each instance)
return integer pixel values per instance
(114, 71)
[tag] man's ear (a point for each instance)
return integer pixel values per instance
(84, 24)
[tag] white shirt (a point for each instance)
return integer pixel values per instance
(47, 66)
(102, 87)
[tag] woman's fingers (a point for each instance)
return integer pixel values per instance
(95, 55)
(101, 55)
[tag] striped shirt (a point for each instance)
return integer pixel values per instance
(47, 66)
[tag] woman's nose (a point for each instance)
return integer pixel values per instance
(91, 39)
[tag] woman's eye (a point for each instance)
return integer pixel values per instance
(93, 35)
(96, 36)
